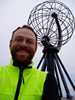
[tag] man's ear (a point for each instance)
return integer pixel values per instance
(10, 43)
(36, 47)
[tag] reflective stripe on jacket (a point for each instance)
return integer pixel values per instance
(31, 85)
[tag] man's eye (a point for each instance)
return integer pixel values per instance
(18, 39)
(30, 41)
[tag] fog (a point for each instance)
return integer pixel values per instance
(14, 13)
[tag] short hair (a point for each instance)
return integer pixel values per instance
(24, 26)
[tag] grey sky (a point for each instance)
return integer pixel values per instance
(15, 13)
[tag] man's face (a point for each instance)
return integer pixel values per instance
(23, 46)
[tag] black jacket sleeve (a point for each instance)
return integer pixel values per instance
(50, 90)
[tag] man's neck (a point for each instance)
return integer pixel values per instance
(20, 65)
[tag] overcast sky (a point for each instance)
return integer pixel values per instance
(15, 13)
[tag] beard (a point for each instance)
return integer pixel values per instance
(22, 60)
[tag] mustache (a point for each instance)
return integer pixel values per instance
(22, 48)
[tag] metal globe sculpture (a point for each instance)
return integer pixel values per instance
(54, 24)
(41, 20)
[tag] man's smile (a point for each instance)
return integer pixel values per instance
(22, 52)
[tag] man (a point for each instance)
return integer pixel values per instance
(21, 80)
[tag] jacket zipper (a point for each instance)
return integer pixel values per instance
(19, 84)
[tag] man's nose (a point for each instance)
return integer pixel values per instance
(24, 43)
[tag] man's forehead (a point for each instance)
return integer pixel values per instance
(24, 32)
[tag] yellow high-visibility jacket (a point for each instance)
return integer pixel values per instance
(31, 85)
